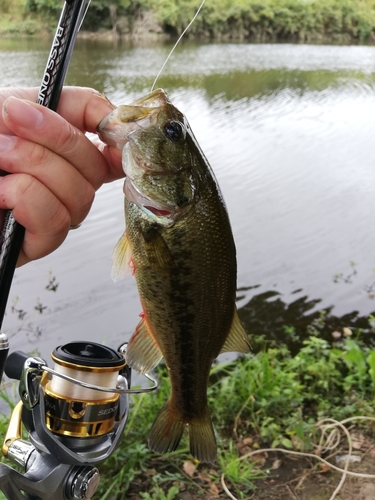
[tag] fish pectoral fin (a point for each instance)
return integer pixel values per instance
(157, 249)
(143, 353)
(121, 258)
(237, 340)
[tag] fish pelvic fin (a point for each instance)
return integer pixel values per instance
(143, 352)
(237, 340)
(122, 263)
(202, 439)
(166, 431)
(168, 428)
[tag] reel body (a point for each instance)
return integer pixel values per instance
(74, 415)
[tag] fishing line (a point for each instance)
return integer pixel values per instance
(175, 45)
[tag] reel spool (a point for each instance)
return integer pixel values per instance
(73, 410)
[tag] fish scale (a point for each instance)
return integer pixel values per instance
(179, 238)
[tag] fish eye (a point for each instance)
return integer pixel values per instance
(174, 130)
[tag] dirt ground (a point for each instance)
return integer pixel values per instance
(287, 477)
(293, 478)
(298, 479)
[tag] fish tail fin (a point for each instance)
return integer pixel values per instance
(202, 439)
(166, 431)
(168, 428)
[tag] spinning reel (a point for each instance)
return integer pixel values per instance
(74, 415)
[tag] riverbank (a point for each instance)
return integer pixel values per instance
(315, 21)
(268, 399)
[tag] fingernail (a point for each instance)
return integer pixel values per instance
(6, 142)
(22, 113)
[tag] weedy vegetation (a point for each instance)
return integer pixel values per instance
(271, 398)
(341, 21)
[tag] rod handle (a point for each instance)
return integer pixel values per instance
(4, 349)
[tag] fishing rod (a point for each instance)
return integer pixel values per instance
(74, 413)
(12, 234)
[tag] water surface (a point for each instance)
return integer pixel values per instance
(289, 131)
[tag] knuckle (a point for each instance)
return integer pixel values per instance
(67, 140)
(26, 185)
(90, 195)
(38, 155)
(86, 199)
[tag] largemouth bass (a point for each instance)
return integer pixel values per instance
(178, 242)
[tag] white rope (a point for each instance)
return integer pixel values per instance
(332, 441)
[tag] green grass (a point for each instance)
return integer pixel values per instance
(269, 398)
(272, 397)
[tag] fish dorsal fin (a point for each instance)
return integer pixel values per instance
(143, 353)
(121, 258)
(237, 340)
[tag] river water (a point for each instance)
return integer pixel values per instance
(290, 133)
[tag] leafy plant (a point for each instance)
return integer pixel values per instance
(264, 20)
(272, 398)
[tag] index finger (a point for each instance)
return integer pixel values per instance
(83, 107)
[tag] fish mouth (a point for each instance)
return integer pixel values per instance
(115, 128)
(156, 209)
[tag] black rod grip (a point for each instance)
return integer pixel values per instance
(4, 349)
(12, 235)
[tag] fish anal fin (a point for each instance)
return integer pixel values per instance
(122, 263)
(202, 439)
(143, 353)
(166, 431)
(237, 340)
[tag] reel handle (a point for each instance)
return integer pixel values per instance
(15, 363)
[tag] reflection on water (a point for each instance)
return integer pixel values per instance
(289, 131)
(269, 319)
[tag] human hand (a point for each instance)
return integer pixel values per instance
(55, 169)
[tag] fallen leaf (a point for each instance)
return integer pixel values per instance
(358, 440)
(150, 472)
(244, 450)
(276, 463)
(204, 477)
(260, 458)
(324, 468)
(189, 468)
(214, 490)
(248, 441)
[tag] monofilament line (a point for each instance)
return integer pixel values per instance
(175, 45)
